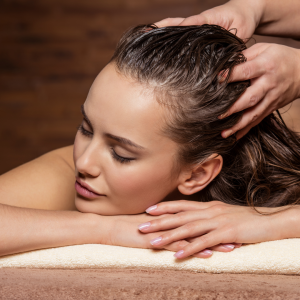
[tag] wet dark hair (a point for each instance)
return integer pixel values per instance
(181, 64)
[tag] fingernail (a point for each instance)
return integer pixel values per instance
(223, 115)
(227, 134)
(144, 225)
(206, 252)
(228, 246)
(153, 207)
(179, 254)
(156, 241)
(221, 78)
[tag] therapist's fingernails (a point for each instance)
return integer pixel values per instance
(144, 226)
(223, 115)
(156, 241)
(228, 246)
(151, 208)
(227, 134)
(222, 76)
(179, 254)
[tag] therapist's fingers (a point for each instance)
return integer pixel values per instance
(169, 22)
(244, 71)
(250, 118)
(195, 20)
(251, 97)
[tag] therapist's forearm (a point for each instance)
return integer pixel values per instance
(25, 229)
(279, 18)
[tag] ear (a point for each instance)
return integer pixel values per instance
(199, 176)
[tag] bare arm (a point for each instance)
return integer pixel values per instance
(35, 199)
(25, 229)
(279, 18)
(34, 203)
(264, 17)
(37, 210)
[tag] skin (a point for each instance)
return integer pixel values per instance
(182, 225)
(192, 227)
(130, 187)
(138, 117)
(273, 69)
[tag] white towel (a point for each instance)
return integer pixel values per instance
(276, 257)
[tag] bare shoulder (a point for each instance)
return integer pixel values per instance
(46, 182)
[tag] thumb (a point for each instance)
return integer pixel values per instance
(194, 20)
(169, 22)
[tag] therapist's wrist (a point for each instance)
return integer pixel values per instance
(254, 9)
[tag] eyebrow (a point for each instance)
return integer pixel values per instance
(123, 141)
(119, 139)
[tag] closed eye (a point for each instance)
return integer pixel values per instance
(119, 158)
(84, 132)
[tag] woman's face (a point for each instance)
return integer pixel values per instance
(119, 152)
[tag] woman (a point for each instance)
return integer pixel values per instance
(150, 134)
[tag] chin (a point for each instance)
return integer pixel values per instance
(94, 207)
(104, 209)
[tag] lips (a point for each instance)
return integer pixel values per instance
(85, 190)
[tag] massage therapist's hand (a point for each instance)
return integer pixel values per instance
(123, 230)
(244, 16)
(274, 71)
(211, 223)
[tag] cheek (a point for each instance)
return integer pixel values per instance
(79, 146)
(141, 183)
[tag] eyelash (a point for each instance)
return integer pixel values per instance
(84, 131)
(117, 157)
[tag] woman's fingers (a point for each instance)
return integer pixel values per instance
(176, 246)
(169, 22)
(189, 230)
(206, 253)
(202, 243)
(174, 221)
(171, 207)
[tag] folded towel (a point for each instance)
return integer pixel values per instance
(276, 257)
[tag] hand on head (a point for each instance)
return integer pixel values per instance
(273, 69)
(274, 74)
(232, 15)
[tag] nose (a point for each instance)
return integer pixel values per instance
(88, 163)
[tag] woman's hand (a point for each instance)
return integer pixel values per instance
(274, 71)
(209, 224)
(244, 16)
(123, 230)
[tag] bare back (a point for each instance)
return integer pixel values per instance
(46, 182)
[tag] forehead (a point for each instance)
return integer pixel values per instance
(126, 108)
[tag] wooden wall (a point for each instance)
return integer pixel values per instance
(50, 53)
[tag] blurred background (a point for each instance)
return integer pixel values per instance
(50, 53)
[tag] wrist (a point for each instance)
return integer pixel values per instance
(98, 228)
(254, 8)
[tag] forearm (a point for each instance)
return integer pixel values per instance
(288, 222)
(275, 17)
(25, 229)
